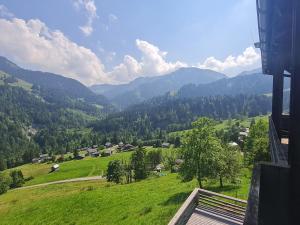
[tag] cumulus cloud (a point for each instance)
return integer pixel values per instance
(152, 63)
(90, 9)
(34, 45)
(248, 57)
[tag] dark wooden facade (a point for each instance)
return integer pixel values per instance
(277, 185)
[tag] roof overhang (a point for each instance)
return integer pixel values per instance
(275, 34)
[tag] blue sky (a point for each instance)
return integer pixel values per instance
(116, 41)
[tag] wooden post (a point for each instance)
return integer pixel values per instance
(294, 141)
(277, 101)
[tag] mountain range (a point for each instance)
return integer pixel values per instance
(144, 88)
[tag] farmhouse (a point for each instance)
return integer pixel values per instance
(165, 145)
(95, 154)
(127, 147)
(108, 152)
(91, 151)
(108, 144)
(55, 167)
(35, 160)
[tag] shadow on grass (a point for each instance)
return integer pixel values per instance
(176, 199)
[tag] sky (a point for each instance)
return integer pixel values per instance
(117, 41)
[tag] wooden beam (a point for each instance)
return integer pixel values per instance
(294, 141)
(277, 100)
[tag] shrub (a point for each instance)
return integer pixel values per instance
(17, 179)
(5, 182)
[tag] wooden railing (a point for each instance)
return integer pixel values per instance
(219, 205)
(186, 210)
(278, 154)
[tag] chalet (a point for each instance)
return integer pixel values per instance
(91, 151)
(165, 145)
(35, 160)
(95, 154)
(108, 152)
(79, 157)
(44, 157)
(55, 167)
(127, 147)
(108, 145)
(233, 144)
(159, 168)
(120, 145)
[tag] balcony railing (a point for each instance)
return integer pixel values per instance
(278, 151)
(206, 207)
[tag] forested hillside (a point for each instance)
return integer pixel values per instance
(149, 119)
(52, 84)
(255, 83)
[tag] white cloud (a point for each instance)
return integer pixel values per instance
(152, 63)
(4, 12)
(33, 45)
(90, 10)
(249, 57)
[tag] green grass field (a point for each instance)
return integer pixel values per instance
(152, 201)
(71, 169)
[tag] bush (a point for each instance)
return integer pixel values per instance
(5, 182)
(17, 179)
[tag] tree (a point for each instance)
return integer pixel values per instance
(177, 142)
(200, 151)
(153, 158)
(257, 144)
(138, 162)
(75, 153)
(228, 164)
(127, 171)
(115, 171)
(3, 164)
(5, 182)
(17, 179)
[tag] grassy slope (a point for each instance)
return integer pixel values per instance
(152, 201)
(71, 169)
(20, 83)
(224, 124)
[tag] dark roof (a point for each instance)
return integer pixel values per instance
(275, 34)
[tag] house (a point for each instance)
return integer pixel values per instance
(80, 157)
(44, 157)
(233, 144)
(91, 151)
(165, 145)
(120, 145)
(108, 144)
(55, 167)
(108, 152)
(159, 168)
(35, 160)
(95, 154)
(127, 147)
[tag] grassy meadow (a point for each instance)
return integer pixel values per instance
(151, 201)
(72, 169)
